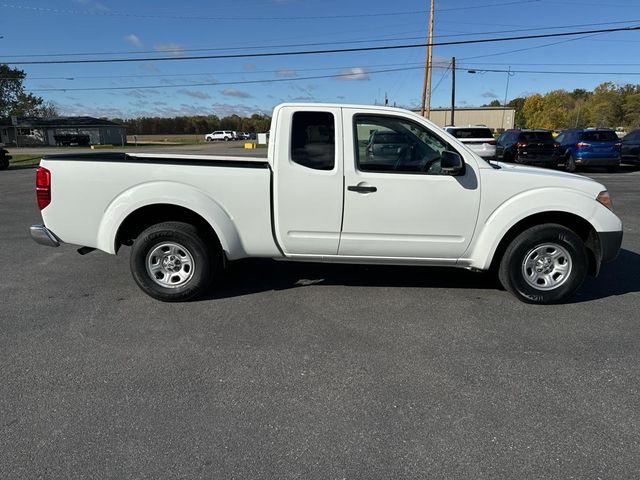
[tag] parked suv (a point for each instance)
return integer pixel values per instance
(631, 147)
(479, 139)
(225, 135)
(590, 147)
(531, 147)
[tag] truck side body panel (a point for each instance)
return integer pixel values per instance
(91, 198)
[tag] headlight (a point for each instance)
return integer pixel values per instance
(605, 199)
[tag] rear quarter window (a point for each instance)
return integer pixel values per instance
(545, 137)
(599, 136)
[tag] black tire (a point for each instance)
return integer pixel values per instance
(570, 164)
(4, 164)
(613, 168)
(546, 237)
(196, 249)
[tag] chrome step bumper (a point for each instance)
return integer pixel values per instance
(44, 236)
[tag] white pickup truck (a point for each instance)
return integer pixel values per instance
(341, 183)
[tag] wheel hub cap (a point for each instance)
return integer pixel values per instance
(547, 266)
(170, 265)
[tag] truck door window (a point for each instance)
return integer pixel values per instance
(313, 141)
(396, 145)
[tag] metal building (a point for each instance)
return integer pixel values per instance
(33, 131)
(496, 118)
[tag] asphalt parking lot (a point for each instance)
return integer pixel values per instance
(312, 371)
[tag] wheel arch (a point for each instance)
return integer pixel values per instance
(144, 205)
(144, 217)
(580, 226)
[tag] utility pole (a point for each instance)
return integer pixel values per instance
(506, 94)
(453, 91)
(425, 110)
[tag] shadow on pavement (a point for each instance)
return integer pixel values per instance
(617, 278)
(259, 275)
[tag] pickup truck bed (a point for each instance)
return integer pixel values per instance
(99, 189)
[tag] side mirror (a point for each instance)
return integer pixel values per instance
(451, 163)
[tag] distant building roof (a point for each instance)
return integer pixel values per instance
(34, 122)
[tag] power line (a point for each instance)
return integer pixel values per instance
(213, 84)
(534, 47)
(236, 72)
(328, 51)
(292, 45)
(318, 77)
(108, 13)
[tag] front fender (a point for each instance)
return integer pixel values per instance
(172, 193)
(519, 207)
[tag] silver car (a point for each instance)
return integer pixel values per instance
(478, 138)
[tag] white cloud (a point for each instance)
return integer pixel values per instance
(133, 39)
(286, 73)
(225, 109)
(172, 48)
(93, 5)
(357, 74)
(195, 94)
(232, 92)
(148, 67)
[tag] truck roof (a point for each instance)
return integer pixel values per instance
(345, 105)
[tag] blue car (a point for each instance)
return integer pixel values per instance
(590, 147)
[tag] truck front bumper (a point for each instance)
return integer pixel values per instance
(610, 243)
(44, 236)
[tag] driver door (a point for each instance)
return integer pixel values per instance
(399, 204)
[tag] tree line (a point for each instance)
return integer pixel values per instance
(199, 124)
(608, 105)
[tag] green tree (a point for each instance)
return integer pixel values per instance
(14, 100)
(631, 110)
(518, 104)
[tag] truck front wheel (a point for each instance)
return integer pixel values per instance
(172, 262)
(544, 264)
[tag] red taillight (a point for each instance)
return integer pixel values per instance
(43, 187)
(492, 142)
(521, 144)
(582, 145)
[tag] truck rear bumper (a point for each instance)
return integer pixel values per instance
(42, 235)
(597, 161)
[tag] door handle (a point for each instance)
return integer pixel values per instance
(362, 188)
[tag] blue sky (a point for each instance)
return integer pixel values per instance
(168, 28)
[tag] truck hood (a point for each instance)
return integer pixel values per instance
(536, 177)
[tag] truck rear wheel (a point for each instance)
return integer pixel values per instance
(544, 264)
(172, 262)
